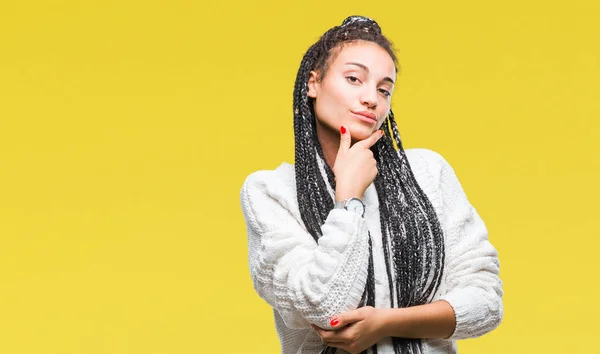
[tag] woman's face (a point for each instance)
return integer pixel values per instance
(356, 90)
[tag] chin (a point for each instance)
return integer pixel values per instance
(361, 131)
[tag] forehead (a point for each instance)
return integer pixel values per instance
(370, 54)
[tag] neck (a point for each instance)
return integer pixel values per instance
(330, 143)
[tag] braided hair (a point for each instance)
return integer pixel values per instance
(412, 237)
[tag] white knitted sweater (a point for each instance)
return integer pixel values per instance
(308, 282)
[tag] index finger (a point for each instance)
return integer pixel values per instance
(370, 141)
(349, 317)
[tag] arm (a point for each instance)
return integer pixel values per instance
(474, 289)
(357, 330)
(434, 320)
(472, 304)
(305, 281)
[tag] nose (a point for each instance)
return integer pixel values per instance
(369, 97)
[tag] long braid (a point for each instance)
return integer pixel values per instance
(417, 251)
(306, 165)
(412, 237)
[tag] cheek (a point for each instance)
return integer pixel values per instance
(337, 91)
(324, 109)
(384, 110)
(332, 100)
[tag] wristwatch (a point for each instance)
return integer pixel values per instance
(353, 204)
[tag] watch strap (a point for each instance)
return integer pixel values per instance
(341, 204)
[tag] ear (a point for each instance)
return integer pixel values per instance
(313, 84)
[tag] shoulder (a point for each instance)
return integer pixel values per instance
(426, 164)
(420, 156)
(281, 178)
(270, 192)
(434, 175)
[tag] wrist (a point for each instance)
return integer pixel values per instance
(392, 324)
(354, 205)
(341, 194)
(384, 322)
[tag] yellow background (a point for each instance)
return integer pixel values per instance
(127, 129)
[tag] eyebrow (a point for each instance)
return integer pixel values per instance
(364, 67)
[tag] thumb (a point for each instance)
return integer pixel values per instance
(346, 318)
(345, 139)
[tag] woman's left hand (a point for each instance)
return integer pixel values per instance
(354, 330)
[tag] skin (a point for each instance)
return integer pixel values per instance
(361, 78)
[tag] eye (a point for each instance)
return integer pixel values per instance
(386, 93)
(353, 79)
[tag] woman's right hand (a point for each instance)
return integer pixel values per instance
(355, 167)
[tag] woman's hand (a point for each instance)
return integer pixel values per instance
(354, 331)
(355, 167)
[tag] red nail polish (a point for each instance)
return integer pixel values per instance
(343, 129)
(334, 322)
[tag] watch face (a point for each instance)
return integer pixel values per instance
(356, 206)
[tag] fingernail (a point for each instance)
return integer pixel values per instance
(334, 322)
(381, 132)
(343, 129)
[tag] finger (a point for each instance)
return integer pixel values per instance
(323, 333)
(335, 337)
(345, 139)
(347, 318)
(371, 140)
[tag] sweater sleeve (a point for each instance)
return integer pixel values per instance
(474, 288)
(304, 280)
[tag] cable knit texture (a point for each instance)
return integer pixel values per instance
(308, 282)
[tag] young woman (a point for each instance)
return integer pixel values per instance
(361, 246)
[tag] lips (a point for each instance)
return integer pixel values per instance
(367, 115)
